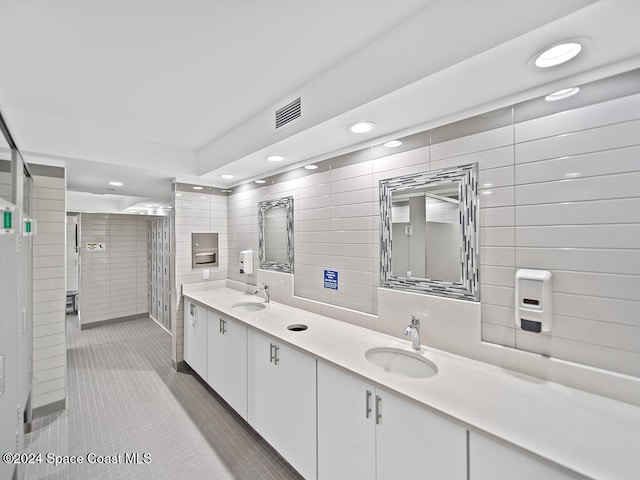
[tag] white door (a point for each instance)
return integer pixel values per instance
(195, 337)
(346, 426)
(262, 398)
(414, 443)
(227, 360)
(296, 409)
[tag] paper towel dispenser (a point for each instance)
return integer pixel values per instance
(204, 250)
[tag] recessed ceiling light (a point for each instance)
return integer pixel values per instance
(275, 158)
(558, 54)
(116, 184)
(362, 127)
(178, 194)
(227, 176)
(311, 167)
(259, 181)
(572, 174)
(225, 191)
(393, 144)
(487, 192)
(562, 94)
(150, 206)
(198, 188)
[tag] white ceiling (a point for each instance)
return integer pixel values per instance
(145, 91)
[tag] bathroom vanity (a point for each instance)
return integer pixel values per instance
(333, 414)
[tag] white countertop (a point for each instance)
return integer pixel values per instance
(589, 434)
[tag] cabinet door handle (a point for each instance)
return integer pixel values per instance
(368, 404)
(271, 354)
(276, 357)
(223, 323)
(378, 409)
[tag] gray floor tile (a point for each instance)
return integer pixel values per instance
(124, 397)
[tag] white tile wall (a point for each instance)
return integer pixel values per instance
(577, 187)
(49, 292)
(560, 193)
(113, 283)
(201, 212)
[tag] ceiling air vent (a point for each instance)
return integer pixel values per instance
(287, 114)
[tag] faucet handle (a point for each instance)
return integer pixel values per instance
(415, 321)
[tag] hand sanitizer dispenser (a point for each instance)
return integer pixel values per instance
(246, 262)
(533, 300)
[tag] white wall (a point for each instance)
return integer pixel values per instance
(49, 294)
(195, 212)
(567, 201)
(585, 229)
(113, 282)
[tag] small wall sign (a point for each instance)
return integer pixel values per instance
(331, 279)
(96, 247)
(7, 219)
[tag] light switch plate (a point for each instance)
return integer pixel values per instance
(205, 274)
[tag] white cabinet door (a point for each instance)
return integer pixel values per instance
(282, 400)
(262, 398)
(195, 337)
(414, 443)
(296, 409)
(365, 432)
(493, 460)
(346, 426)
(227, 360)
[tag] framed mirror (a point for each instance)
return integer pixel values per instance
(428, 232)
(275, 242)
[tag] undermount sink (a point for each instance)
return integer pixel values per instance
(248, 306)
(401, 362)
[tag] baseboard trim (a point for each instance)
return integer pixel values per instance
(48, 409)
(101, 323)
(181, 366)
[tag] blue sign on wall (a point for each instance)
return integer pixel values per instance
(331, 279)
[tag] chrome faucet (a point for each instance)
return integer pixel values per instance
(414, 331)
(264, 290)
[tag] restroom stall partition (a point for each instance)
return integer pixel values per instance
(16, 325)
(159, 271)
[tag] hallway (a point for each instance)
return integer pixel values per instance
(123, 397)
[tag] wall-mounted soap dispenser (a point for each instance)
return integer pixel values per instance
(246, 262)
(533, 300)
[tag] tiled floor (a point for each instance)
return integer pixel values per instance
(124, 397)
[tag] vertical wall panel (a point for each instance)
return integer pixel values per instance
(200, 213)
(113, 282)
(49, 291)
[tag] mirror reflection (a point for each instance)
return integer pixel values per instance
(275, 221)
(428, 232)
(275, 235)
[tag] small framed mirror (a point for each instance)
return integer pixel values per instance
(275, 242)
(428, 232)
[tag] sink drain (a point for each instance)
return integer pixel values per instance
(297, 327)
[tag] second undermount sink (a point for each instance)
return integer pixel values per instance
(401, 362)
(248, 306)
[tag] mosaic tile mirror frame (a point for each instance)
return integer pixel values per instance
(463, 182)
(275, 240)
